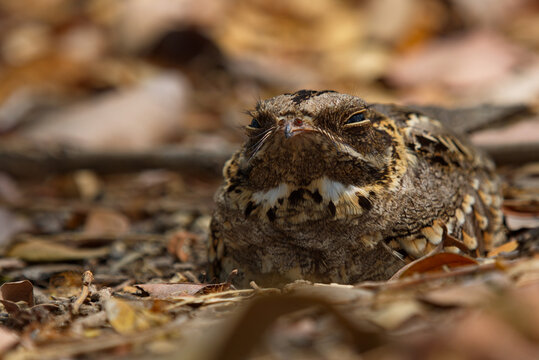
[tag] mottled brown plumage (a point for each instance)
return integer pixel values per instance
(329, 188)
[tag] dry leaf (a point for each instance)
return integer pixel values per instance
(526, 131)
(18, 291)
(107, 122)
(180, 242)
(65, 284)
(460, 62)
(434, 263)
(123, 317)
(106, 222)
(240, 336)
(11, 308)
(161, 291)
(126, 318)
(37, 250)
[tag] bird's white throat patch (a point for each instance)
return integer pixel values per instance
(329, 191)
(271, 196)
(337, 191)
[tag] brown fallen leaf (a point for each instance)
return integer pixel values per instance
(106, 222)
(180, 242)
(434, 263)
(123, 317)
(11, 308)
(161, 291)
(18, 291)
(126, 318)
(238, 338)
(18, 301)
(472, 59)
(106, 122)
(66, 284)
(37, 250)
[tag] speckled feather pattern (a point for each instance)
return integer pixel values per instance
(329, 188)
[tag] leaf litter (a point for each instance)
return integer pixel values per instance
(102, 264)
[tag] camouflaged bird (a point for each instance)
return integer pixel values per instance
(328, 188)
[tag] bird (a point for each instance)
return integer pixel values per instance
(329, 188)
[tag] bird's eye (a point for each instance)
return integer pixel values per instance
(356, 118)
(255, 124)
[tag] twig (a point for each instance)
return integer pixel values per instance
(513, 154)
(37, 162)
(471, 119)
(87, 278)
(26, 164)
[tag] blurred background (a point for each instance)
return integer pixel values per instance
(138, 74)
(106, 106)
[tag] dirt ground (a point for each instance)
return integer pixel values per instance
(116, 119)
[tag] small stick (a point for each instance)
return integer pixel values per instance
(87, 278)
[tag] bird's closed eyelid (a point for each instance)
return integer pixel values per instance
(254, 124)
(358, 118)
(259, 120)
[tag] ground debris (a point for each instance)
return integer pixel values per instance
(117, 116)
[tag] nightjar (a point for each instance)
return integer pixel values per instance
(329, 188)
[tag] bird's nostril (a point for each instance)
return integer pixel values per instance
(298, 122)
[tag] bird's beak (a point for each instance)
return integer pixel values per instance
(295, 127)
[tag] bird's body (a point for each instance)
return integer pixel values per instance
(331, 189)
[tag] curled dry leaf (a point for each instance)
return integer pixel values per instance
(18, 291)
(11, 307)
(434, 263)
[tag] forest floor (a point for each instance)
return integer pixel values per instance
(116, 119)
